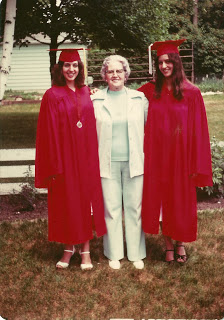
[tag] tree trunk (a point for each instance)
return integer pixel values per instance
(7, 48)
(54, 33)
(195, 15)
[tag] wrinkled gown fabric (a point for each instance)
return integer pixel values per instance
(177, 159)
(67, 164)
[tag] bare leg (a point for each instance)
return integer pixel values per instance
(85, 256)
(68, 252)
(180, 252)
(67, 255)
(169, 247)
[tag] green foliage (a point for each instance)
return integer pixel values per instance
(136, 85)
(28, 190)
(207, 35)
(209, 51)
(180, 17)
(127, 24)
(124, 24)
(212, 13)
(211, 84)
(217, 151)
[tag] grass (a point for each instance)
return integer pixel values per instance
(31, 288)
(18, 125)
(215, 113)
(13, 94)
(18, 122)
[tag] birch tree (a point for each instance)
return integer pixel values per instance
(7, 48)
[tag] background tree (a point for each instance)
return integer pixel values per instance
(207, 34)
(9, 26)
(44, 16)
(126, 24)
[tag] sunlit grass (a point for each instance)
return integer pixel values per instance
(31, 288)
(20, 108)
(18, 126)
(215, 113)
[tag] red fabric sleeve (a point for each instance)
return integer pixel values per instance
(48, 158)
(94, 174)
(147, 89)
(200, 168)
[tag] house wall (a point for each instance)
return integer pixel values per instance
(30, 67)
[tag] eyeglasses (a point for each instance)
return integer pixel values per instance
(119, 71)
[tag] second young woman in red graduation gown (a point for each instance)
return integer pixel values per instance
(177, 153)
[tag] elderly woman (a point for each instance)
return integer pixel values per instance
(67, 160)
(120, 117)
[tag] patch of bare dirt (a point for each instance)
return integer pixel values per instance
(15, 207)
(211, 203)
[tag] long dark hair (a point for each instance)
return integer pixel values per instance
(58, 78)
(177, 77)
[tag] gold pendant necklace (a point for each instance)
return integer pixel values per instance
(79, 123)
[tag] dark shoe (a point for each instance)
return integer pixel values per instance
(169, 261)
(183, 257)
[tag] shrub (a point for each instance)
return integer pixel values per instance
(217, 151)
(136, 85)
(211, 84)
(28, 192)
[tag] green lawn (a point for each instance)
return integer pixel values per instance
(18, 122)
(32, 289)
(215, 113)
(18, 125)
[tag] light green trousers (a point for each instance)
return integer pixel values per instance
(121, 189)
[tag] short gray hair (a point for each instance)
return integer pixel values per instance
(116, 58)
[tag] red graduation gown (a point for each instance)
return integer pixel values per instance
(70, 155)
(177, 159)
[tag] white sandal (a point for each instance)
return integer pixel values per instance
(85, 266)
(64, 265)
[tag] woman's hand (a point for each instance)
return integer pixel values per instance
(94, 90)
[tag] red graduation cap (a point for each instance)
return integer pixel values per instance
(164, 47)
(68, 54)
(168, 46)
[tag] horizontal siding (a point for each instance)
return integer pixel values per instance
(30, 67)
(17, 154)
(15, 188)
(17, 171)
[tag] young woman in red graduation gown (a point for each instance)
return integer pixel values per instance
(67, 160)
(177, 153)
